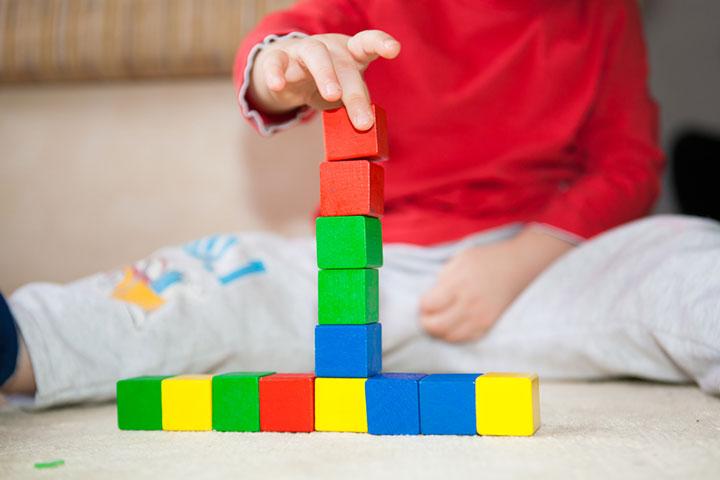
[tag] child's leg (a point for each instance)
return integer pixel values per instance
(9, 345)
(642, 300)
(21, 380)
(224, 302)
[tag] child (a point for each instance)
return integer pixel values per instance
(520, 131)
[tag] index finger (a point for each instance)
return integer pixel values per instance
(355, 97)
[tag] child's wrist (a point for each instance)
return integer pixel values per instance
(540, 247)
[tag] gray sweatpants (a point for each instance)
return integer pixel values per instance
(641, 300)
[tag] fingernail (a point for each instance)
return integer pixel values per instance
(389, 44)
(363, 119)
(332, 89)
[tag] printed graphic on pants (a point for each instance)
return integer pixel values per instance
(210, 262)
(219, 257)
(147, 283)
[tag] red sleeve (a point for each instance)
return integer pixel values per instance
(310, 17)
(623, 163)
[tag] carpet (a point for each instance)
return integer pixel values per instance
(589, 430)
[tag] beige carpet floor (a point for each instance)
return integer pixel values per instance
(590, 430)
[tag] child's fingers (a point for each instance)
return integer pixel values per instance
(465, 331)
(274, 66)
(442, 324)
(355, 96)
(296, 72)
(436, 299)
(367, 45)
(316, 57)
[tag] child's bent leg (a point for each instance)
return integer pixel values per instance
(223, 302)
(642, 300)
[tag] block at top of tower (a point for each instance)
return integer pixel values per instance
(344, 142)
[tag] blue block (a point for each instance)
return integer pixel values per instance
(447, 404)
(348, 351)
(393, 404)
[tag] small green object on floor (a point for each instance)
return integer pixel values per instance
(236, 401)
(50, 464)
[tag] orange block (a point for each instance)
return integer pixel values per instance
(351, 188)
(343, 142)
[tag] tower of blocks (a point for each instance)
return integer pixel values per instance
(347, 392)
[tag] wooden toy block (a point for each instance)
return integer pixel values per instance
(340, 405)
(347, 297)
(139, 403)
(287, 402)
(348, 350)
(393, 403)
(344, 142)
(348, 242)
(187, 402)
(507, 404)
(447, 404)
(236, 401)
(351, 188)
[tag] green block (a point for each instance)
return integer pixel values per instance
(348, 242)
(348, 297)
(236, 401)
(139, 403)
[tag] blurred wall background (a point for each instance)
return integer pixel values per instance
(97, 170)
(684, 49)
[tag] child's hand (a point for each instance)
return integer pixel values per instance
(476, 286)
(319, 71)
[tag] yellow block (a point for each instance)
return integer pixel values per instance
(340, 405)
(507, 404)
(187, 402)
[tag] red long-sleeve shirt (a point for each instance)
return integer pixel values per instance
(502, 111)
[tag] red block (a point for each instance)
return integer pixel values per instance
(287, 402)
(343, 142)
(351, 188)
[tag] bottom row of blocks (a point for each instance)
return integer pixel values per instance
(386, 404)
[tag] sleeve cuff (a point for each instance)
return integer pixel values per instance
(265, 124)
(556, 232)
